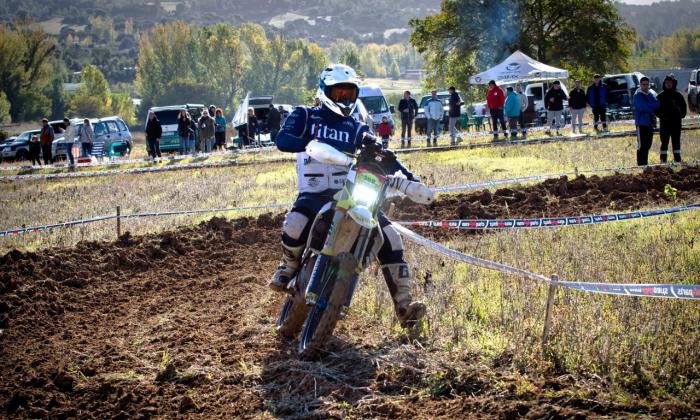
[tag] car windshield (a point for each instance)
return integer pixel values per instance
(25, 136)
(445, 99)
(167, 117)
(375, 104)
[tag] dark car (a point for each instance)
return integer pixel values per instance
(421, 123)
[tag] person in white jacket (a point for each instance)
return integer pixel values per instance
(69, 138)
(433, 115)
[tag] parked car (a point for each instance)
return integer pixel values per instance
(18, 149)
(376, 105)
(621, 89)
(421, 123)
(112, 137)
(167, 115)
(693, 88)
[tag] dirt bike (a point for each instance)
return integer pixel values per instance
(337, 248)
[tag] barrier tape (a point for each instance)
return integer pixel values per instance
(675, 291)
(487, 184)
(85, 174)
(546, 222)
(18, 231)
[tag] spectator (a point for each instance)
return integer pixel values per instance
(433, 115)
(597, 94)
(577, 106)
(183, 131)
(495, 100)
(87, 137)
(206, 132)
(252, 124)
(554, 104)
(212, 139)
(274, 122)
(317, 101)
(511, 110)
(192, 139)
(284, 114)
(154, 132)
(69, 139)
(454, 113)
(408, 109)
(35, 150)
(385, 130)
(645, 105)
(220, 133)
(672, 110)
(524, 103)
(46, 136)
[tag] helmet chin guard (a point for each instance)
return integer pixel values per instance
(338, 89)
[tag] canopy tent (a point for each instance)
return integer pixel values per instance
(241, 116)
(518, 67)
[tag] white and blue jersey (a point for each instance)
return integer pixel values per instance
(305, 124)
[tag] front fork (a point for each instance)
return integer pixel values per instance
(327, 270)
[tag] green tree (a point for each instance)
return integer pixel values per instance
(57, 96)
(394, 71)
(93, 98)
(25, 69)
(469, 35)
(4, 109)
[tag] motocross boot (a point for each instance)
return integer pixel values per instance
(398, 279)
(291, 257)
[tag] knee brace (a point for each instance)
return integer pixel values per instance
(295, 229)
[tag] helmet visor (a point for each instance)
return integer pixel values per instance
(343, 93)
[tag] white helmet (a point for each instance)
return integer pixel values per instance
(339, 88)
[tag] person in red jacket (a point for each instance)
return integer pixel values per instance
(385, 130)
(495, 100)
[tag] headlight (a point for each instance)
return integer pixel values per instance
(364, 195)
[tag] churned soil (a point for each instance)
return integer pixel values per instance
(181, 324)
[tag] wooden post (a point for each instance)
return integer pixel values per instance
(119, 222)
(392, 211)
(576, 171)
(548, 313)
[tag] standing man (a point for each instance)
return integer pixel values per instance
(455, 113)
(206, 126)
(154, 132)
(46, 137)
(577, 106)
(274, 121)
(495, 100)
(69, 138)
(524, 103)
(511, 110)
(645, 105)
(597, 98)
(407, 108)
(554, 104)
(672, 110)
(212, 140)
(433, 116)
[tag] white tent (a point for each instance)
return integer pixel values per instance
(518, 67)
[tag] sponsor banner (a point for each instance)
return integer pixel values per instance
(672, 291)
(548, 221)
(18, 231)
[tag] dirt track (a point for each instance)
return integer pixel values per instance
(181, 323)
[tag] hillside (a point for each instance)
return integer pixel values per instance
(661, 19)
(360, 21)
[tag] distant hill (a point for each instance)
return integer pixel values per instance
(662, 18)
(361, 21)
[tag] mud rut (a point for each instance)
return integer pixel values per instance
(181, 324)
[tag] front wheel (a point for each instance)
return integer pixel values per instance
(295, 309)
(324, 315)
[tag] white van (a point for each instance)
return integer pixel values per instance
(536, 89)
(376, 105)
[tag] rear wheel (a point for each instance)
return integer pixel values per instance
(295, 309)
(324, 315)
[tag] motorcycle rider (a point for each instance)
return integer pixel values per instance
(332, 123)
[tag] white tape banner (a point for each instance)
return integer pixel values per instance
(676, 291)
(546, 222)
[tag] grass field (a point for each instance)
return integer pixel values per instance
(638, 346)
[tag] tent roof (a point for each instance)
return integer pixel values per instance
(518, 66)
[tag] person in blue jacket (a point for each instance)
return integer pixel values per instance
(511, 109)
(597, 98)
(332, 123)
(645, 106)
